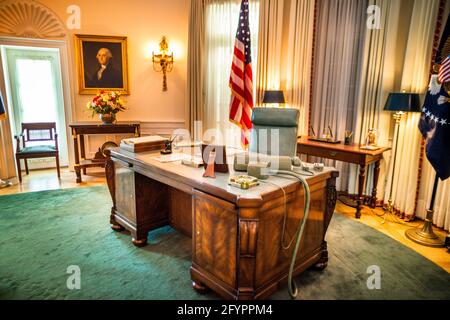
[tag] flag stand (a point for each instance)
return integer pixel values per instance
(426, 236)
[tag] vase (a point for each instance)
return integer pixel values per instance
(107, 118)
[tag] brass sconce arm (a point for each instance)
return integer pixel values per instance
(163, 62)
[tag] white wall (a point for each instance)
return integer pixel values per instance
(144, 22)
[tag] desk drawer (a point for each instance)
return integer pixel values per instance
(215, 237)
(125, 190)
(329, 154)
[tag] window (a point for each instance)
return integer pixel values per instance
(34, 78)
(221, 22)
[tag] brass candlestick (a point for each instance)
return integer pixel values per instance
(163, 62)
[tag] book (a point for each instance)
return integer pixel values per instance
(143, 144)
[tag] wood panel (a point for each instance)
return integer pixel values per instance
(181, 211)
(152, 198)
(271, 258)
(215, 237)
(125, 191)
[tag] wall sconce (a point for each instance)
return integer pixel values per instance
(163, 62)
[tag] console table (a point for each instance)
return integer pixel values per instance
(351, 154)
(79, 129)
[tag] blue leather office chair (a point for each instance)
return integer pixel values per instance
(265, 120)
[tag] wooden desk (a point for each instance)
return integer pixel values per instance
(236, 234)
(79, 129)
(351, 154)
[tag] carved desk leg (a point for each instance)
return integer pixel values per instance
(331, 204)
(110, 179)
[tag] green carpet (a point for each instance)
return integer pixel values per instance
(43, 233)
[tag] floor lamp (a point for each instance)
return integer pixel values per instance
(3, 184)
(399, 103)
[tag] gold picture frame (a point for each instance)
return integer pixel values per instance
(102, 63)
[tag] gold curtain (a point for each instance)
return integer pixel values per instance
(285, 52)
(7, 166)
(297, 69)
(270, 42)
(195, 94)
(338, 53)
(384, 51)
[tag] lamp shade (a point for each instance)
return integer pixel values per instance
(403, 102)
(273, 96)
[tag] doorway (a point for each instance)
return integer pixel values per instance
(35, 90)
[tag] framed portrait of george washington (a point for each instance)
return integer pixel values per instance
(102, 63)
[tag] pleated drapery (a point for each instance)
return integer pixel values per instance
(221, 21)
(341, 26)
(441, 217)
(415, 76)
(7, 161)
(285, 53)
(196, 48)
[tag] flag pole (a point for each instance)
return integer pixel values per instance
(426, 236)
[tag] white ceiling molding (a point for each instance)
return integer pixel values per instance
(29, 19)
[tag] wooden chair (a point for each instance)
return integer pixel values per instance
(37, 132)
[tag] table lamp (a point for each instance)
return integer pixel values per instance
(3, 184)
(400, 103)
(273, 97)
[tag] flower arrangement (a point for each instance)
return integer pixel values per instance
(107, 104)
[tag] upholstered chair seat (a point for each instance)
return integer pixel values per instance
(38, 149)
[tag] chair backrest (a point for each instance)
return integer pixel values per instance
(38, 131)
(274, 131)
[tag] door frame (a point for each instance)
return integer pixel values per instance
(67, 86)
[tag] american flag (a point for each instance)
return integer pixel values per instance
(444, 71)
(241, 78)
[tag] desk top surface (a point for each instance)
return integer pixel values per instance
(352, 148)
(193, 177)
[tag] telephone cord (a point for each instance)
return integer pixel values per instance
(292, 286)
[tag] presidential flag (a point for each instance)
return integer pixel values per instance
(2, 108)
(241, 78)
(435, 118)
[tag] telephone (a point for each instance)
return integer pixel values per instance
(261, 167)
